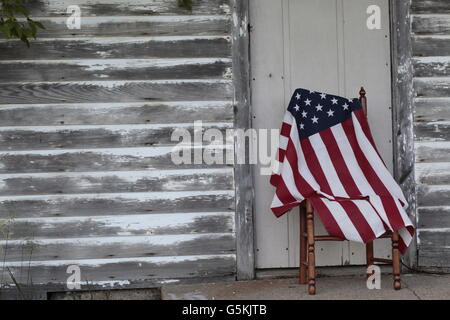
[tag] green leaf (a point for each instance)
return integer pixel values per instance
(40, 25)
(10, 27)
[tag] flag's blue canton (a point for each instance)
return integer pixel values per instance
(314, 111)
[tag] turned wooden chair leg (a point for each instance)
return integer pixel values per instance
(369, 257)
(303, 253)
(396, 261)
(311, 253)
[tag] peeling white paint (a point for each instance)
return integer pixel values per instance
(445, 230)
(101, 262)
(137, 196)
(135, 152)
(185, 104)
(226, 8)
(122, 64)
(119, 40)
(118, 83)
(98, 20)
(124, 175)
(151, 240)
(243, 27)
(116, 127)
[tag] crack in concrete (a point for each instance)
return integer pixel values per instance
(406, 286)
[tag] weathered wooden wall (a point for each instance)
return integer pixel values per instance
(86, 117)
(431, 61)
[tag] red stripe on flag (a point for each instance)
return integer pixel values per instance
(314, 165)
(410, 230)
(365, 126)
(358, 220)
(339, 163)
(402, 246)
(281, 154)
(285, 198)
(275, 179)
(285, 129)
(394, 215)
(378, 186)
(303, 187)
(279, 211)
(362, 119)
(283, 193)
(327, 218)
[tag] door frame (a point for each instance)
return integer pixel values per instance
(243, 175)
(402, 125)
(402, 110)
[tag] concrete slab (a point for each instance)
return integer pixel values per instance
(429, 287)
(415, 286)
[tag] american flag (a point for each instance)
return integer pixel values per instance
(327, 155)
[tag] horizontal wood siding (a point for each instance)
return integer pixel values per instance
(431, 50)
(86, 170)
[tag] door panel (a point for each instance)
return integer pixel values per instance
(322, 45)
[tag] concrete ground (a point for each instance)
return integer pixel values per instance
(414, 287)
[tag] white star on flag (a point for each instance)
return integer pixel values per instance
(304, 114)
(319, 107)
(311, 91)
(302, 126)
(334, 101)
(307, 102)
(323, 96)
(315, 119)
(345, 106)
(296, 107)
(330, 113)
(298, 96)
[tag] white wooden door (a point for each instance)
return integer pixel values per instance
(322, 45)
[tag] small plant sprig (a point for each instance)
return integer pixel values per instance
(11, 27)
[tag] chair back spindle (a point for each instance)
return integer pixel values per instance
(363, 99)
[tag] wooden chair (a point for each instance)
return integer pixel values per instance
(307, 272)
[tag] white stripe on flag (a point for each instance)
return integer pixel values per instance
(288, 117)
(405, 235)
(371, 217)
(276, 202)
(289, 181)
(342, 219)
(378, 205)
(283, 142)
(276, 166)
(327, 166)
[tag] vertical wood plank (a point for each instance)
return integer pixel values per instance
(245, 258)
(268, 97)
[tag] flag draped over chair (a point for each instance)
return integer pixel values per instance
(327, 155)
